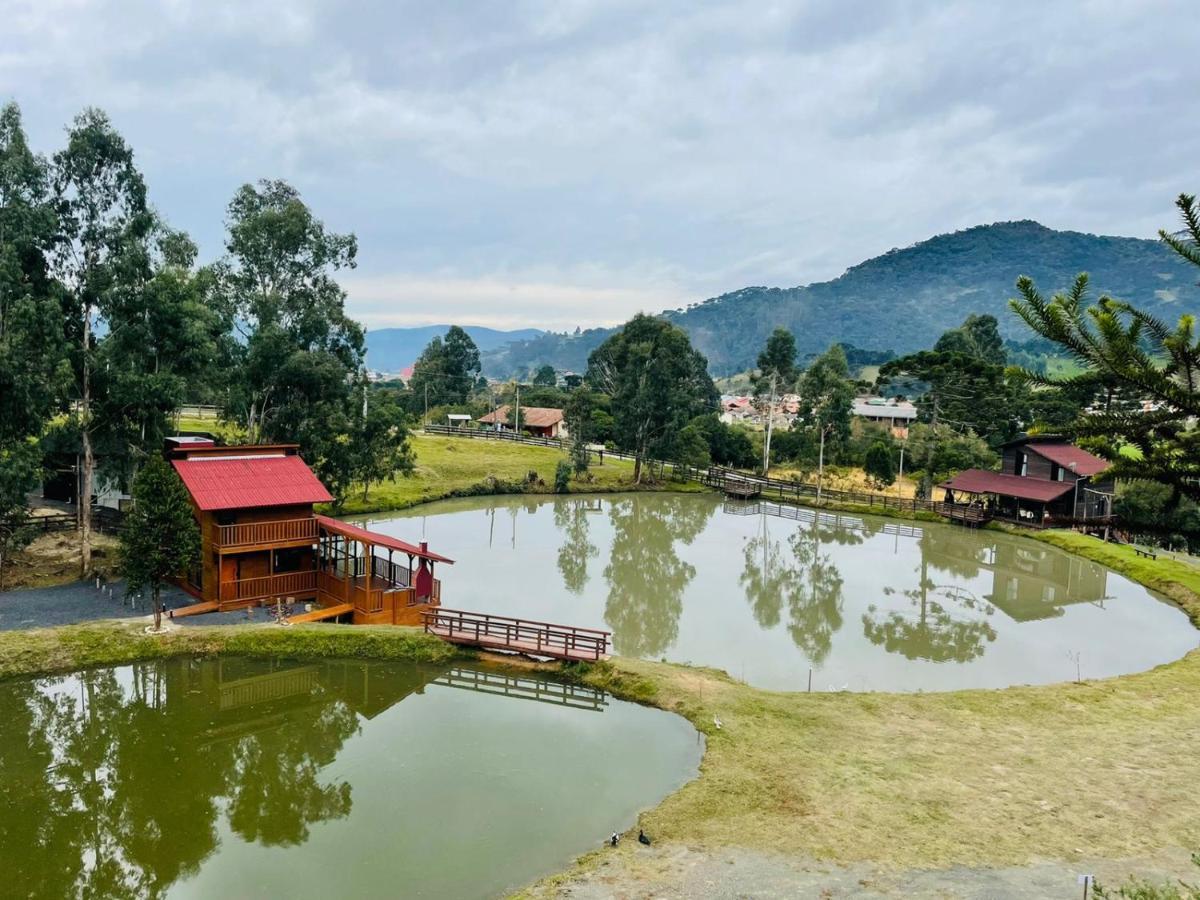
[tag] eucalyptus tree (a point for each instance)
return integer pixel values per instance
(826, 397)
(103, 224)
(33, 365)
(657, 381)
(776, 371)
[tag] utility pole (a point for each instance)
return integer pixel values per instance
(900, 479)
(770, 424)
(517, 414)
(426, 403)
(821, 465)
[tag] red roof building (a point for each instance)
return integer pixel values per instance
(1042, 477)
(262, 543)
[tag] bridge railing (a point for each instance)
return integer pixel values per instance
(521, 634)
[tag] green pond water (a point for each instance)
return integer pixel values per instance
(243, 778)
(769, 593)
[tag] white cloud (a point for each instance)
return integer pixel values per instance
(574, 161)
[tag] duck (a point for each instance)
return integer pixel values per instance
(642, 839)
(614, 839)
(717, 722)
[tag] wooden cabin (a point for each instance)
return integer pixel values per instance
(1042, 478)
(261, 541)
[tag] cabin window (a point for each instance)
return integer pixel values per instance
(292, 559)
(226, 518)
(1058, 473)
(1022, 464)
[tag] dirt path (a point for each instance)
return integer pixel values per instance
(675, 872)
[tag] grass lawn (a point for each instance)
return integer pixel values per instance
(452, 466)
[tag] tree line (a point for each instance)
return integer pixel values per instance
(109, 322)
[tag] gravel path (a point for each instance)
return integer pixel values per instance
(675, 873)
(68, 604)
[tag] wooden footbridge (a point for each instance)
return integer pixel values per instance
(490, 632)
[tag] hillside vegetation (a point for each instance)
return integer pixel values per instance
(901, 301)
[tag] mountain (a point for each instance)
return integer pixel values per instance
(393, 349)
(903, 300)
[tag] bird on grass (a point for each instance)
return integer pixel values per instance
(642, 839)
(717, 722)
(614, 839)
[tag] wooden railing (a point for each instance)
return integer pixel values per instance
(392, 572)
(254, 533)
(521, 635)
(269, 587)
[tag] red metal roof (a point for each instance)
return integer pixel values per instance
(354, 532)
(977, 481)
(245, 482)
(1065, 454)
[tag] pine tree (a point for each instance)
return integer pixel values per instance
(160, 538)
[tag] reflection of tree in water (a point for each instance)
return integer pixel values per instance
(946, 623)
(806, 581)
(113, 786)
(646, 578)
(570, 517)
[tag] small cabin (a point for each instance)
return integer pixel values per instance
(1041, 478)
(262, 541)
(539, 421)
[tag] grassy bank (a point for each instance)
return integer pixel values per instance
(456, 467)
(50, 650)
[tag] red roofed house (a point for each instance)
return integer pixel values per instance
(1041, 477)
(261, 541)
(540, 421)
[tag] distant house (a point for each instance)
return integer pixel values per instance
(1041, 477)
(540, 421)
(895, 414)
(458, 420)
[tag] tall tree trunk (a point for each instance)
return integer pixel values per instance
(84, 501)
(157, 595)
(637, 469)
(821, 465)
(770, 424)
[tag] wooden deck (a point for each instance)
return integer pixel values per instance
(489, 632)
(966, 514)
(322, 613)
(195, 609)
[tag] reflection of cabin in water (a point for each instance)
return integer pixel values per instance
(261, 542)
(1033, 582)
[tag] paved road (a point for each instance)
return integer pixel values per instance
(68, 604)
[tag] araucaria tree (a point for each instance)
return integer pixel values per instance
(1119, 345)
(160, 538)
(657, 383)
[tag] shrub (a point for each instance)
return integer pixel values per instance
(562, 476)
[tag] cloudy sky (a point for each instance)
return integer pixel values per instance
(571, 162)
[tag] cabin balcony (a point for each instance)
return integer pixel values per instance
(384, 596)
(269, 587)
(263, 535)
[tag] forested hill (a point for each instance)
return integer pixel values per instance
(905, 298)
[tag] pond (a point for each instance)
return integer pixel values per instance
(771, 593)
(230, 777)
